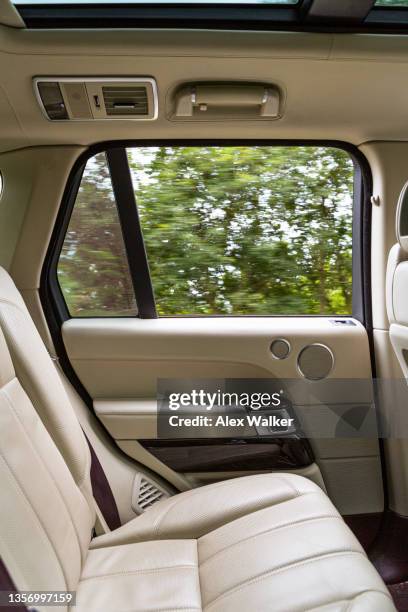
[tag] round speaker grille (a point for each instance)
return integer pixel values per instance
(315, 361)
(280, 348)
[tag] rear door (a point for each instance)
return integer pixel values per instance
(233, 266)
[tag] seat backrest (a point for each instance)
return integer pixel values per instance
(397, 284)
(40, 380)
(45, 520)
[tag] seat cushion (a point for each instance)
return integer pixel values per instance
(161, 575)
(283, 559)
(269, 542)
(194, 513)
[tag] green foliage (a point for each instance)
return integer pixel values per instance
(228, 230)
(247, 230)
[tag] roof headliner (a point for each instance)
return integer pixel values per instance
(350, 87)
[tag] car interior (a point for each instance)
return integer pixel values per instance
(203, 204)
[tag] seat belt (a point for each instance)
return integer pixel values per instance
(7, 584)
(101, 488)
(102, 491)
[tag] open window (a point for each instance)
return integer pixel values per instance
(213, 229)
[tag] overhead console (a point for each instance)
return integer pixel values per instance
(136, 99)
(87, 99)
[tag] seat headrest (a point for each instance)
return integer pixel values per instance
(402, 219)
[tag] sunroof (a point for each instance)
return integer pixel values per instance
(387, 16)
(135, 2)
(391, 3)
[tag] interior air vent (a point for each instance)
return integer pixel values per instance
(87, 99)
(125, 100)
(146, 493)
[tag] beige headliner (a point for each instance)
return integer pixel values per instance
(350, 87)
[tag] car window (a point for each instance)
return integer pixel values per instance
(228, 230)
(247, 230)
(93, 271)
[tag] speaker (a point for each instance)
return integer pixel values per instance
(280, 348)
(315, 361)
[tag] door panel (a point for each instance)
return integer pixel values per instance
(120, 360)
(157, 233)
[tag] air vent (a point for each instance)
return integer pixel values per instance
(125, 100)
(146, 493)
(87, 99)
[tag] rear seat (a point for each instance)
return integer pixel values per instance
(267, 542)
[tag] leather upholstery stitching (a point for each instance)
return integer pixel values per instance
(347, 602)
(141, 572)
(275, 528)
(282, 568)
(161, 517)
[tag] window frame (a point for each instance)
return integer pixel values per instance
(51, 295)
(202, 15)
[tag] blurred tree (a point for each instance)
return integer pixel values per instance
(247, 230)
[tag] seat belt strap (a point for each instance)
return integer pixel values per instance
(102, 491)
(101, 488)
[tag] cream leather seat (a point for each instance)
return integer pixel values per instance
(267, 542)
(397, 284)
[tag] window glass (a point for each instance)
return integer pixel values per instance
(233, 230)
(136, 2)
(93, 270)
(392, 3)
